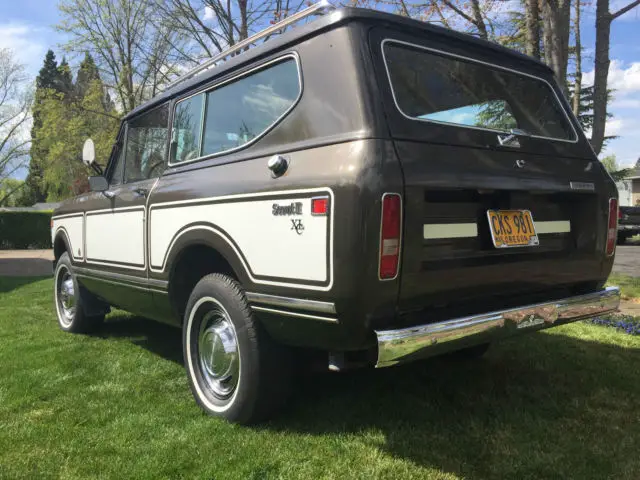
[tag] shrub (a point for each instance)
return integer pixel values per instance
(25, 230)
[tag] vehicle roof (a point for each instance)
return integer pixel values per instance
(326, 22)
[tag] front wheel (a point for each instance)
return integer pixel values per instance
(70, 299)
(235, 370)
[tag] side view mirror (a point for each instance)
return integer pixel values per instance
(88, 152)
(98, 184)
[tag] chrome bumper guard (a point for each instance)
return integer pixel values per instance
(408, 344)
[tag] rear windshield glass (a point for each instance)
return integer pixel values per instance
(438, 88)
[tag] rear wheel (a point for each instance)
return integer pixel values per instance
(235, 370)
(70, 299)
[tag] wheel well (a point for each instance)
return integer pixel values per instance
(59, 246)
(193, 263)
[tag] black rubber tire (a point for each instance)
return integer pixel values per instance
(264, 379)
(472, 353)
(81, 322)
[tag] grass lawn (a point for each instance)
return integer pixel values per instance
(564, 403)
(629, 286)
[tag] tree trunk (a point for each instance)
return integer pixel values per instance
(532, 22)
(577, 84)
(602, 62)
(478, 20)
(557, 23)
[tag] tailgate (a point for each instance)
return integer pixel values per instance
(448, 253)
(475, 131)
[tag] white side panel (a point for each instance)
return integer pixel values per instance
(72, 225)
(269, 243)
(116, 236)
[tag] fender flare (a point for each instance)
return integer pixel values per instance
(209, 235)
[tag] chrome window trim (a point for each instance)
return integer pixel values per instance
(210, 88)
(473, 60)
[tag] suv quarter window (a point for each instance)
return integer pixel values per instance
(146, 145)
(235, 113)
(186, 135)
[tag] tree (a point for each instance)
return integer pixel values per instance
(67, 120)
(610, 163)
(10, 192)
(15, 102)
(130, 46)
(556, 20)
(48, 80)
(211, 26)
(601, 66)
(532, 22)
(577, 76)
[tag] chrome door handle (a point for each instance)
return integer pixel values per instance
(141, 192)
(109, 194)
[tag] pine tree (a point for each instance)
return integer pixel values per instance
(47, 79)
(65, 79)
(87, 73)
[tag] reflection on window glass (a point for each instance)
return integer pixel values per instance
(116, 176)
(492, 114)
(187, 124)
(146, 145)
(240, 111)
(436, 87)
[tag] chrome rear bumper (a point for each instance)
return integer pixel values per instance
(408, 344)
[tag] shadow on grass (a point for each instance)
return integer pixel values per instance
(540, 406)
(8, 284)
(160, 339)
(536, 407)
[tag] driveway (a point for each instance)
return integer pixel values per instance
(627, 260)
(26, 263)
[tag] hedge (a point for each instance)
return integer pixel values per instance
(25, 230)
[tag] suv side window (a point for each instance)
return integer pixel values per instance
(146, 145)
(235, 113)
(187, 129)
(117, 170)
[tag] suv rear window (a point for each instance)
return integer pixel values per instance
(435, 87)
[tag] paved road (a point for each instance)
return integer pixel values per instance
(627, 260)
(26, 263)
(38, 262)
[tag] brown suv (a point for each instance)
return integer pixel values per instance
(367, 186)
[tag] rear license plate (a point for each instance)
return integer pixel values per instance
(512, 228)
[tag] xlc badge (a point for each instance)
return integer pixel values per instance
(297, 226)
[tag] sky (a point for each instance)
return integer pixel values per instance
(27, 27)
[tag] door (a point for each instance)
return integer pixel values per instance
(473, 137)
(115, 228)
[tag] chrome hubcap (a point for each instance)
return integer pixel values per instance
(66, 296)
(218, 352)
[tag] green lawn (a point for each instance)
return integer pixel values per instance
(630, 286)
(558, 404)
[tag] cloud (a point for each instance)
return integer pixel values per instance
(209, 14)
(24, 41)
(623, 79)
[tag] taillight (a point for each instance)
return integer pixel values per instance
(612, 226)
(390, 228)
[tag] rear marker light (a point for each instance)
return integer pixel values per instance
(319, 206)
(612, 226)
(390, 229)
